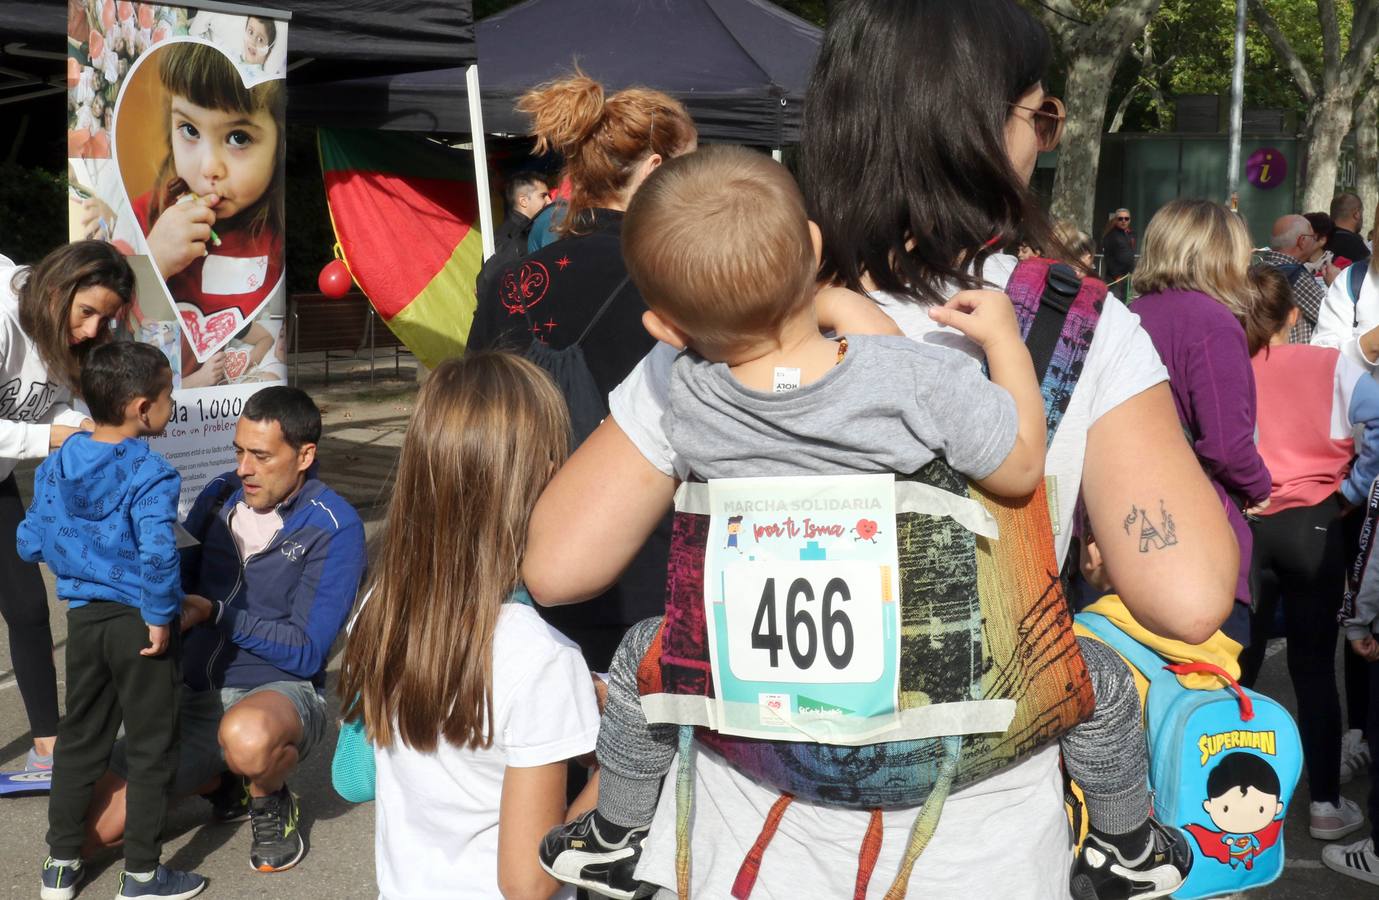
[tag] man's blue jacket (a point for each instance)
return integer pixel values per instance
(278, 612)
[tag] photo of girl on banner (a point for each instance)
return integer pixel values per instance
(176, 138)
(211, 214)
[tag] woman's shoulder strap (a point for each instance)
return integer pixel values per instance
(1058, 311)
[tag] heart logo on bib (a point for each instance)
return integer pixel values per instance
(204, 182)
(866, 529)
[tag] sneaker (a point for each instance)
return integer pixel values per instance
(1354, 755)
(1357, 860)
(1101, 873)
(1332, 821)
(60, 882)
(277, 842)
(577, 854)
(168, 884)
(230, 799)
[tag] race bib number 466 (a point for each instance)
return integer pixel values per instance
(800, 591)
(812, 622)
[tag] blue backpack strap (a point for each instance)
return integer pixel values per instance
(1150, 664)
(1355, 276)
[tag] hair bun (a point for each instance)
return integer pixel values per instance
(564, 112)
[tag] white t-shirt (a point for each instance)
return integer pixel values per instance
(1342, 319)
(30, 400)
(436, 831)
(1005, 837)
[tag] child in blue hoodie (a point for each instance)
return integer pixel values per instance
(102, 518)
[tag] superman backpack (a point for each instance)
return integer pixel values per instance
(1222, 767)
(982, 624)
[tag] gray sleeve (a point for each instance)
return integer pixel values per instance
(1359, 620)
(974, 420)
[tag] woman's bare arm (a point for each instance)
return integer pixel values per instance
(593, 518)
(1168, 547)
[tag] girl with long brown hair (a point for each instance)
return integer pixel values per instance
(472, 703)
(573, 296)
(51, 315)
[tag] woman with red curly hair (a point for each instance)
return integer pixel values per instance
(573, 297)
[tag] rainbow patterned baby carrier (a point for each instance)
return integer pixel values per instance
(982, 623)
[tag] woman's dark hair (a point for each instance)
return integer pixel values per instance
(45, 294)
(903, 158)
(292, 408)
(1267, 313)
(1322, 225)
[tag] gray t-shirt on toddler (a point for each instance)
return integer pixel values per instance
(891, 405)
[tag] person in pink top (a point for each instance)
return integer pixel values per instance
(1310, 401)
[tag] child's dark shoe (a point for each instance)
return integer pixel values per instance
(166, 884)
(1103, 873)
(578, 853)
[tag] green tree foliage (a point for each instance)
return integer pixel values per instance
(33, 212)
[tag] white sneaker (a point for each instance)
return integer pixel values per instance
(1354, 755)
(1356, 860)
(1334, 821)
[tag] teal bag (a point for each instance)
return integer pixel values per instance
(1207, 749)
(352, 771)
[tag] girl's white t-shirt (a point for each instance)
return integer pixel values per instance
(1005, 837)
(436, 826)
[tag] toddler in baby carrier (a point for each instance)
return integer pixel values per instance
(865, 641)
(969, 603)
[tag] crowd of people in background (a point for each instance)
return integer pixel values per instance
(630, 337)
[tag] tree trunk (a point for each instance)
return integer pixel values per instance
(1074, 185)
(1367, 151)
(1328, 122)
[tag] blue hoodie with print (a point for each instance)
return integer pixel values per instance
(102, 519)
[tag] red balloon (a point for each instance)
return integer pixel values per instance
(335, 280)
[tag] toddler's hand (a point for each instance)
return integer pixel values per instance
(987, 317)
(1366, 647)
(158, 637)
(846, 312)
(179, 236)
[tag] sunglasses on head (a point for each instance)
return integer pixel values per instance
(1048, 118)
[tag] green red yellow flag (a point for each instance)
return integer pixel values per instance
(405, 214)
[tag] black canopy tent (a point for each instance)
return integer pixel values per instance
(330, 39)
(739, 66)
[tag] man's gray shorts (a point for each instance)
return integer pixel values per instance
(199, 756)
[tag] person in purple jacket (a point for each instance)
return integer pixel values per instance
(1193, 276)
(268, 590)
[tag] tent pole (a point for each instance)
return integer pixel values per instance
(476, 133)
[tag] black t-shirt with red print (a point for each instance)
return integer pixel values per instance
(554, 293)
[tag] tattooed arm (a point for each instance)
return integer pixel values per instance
(1159, 525)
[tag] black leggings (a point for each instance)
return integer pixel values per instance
(1305, 550)
(24, 606)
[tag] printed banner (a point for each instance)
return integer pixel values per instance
(175, 144)
(801, 591)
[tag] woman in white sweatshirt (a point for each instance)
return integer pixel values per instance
(51, 315)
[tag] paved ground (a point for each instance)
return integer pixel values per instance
(364, 428)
